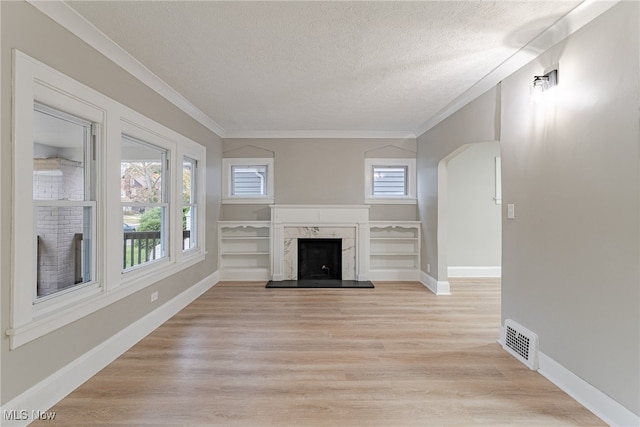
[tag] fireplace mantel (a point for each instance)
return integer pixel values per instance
(319, 214)
(353, 217)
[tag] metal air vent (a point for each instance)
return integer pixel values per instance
(520, 342)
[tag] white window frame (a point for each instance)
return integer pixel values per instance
(194, 207)
(165, 183)
(408, 198)
(227, 181)
(90, 160)
(195, 152)
(138, 126)
(498, 177)
(33, 82)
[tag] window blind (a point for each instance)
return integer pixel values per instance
(389, 180)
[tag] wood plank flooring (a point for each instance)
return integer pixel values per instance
(396, 355)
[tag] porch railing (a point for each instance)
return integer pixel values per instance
(142, 246)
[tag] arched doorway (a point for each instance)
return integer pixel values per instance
(469, 212)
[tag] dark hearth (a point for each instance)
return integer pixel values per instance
(344, 284)
(319, 259)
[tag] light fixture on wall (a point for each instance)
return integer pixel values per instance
(542, 84)
(546, 81)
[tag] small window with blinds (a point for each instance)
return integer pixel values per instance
(248, 180)
(389, 181)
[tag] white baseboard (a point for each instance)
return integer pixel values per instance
(601, 405)
(245, 274)
(474, 271)
(54, 388)
(394, 275)
(438, 287)
(213, 278)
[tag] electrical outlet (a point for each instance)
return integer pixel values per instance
(154, 296)
(511, 211)
(428, 268)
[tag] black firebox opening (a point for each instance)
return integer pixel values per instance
(320, 259)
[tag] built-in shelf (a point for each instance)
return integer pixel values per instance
(393, 254)
(394, 250)
(244, 250)
(245, 238)
(243, 253)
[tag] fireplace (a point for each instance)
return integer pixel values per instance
(348, 223)
(319, 259)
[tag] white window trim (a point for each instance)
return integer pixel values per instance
(498, 177)
(198, 178)
(35, 81)
(196, 152)
(409, 198)
(133, 127)
(228, 198)
(145, 129)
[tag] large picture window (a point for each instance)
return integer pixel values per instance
(144, 170)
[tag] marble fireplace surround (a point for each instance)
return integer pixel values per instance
(346, 234)
(347, 222)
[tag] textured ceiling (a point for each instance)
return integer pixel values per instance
(322, 66)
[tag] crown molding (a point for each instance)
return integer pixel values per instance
(335, 134)
(577, 18)
(66, 16)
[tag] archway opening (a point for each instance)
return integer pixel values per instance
(469, 213)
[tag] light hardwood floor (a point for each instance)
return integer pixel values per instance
(396, 355)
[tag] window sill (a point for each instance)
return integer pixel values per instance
(147, 275)
(248, 201)
(390, 201)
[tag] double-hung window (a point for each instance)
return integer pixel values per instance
(91, 226)
(57, 175)
(64, 201)
(391, 181)
(189, 203)
(144, 171)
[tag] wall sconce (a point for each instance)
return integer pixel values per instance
(545, 82)
(542, 84)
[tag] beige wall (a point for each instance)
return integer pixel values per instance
(475, 123)
(570, 266)
(319, 171)
(24, 28)
(474, 233)
(570, 258)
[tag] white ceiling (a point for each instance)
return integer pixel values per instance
(266, 67)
